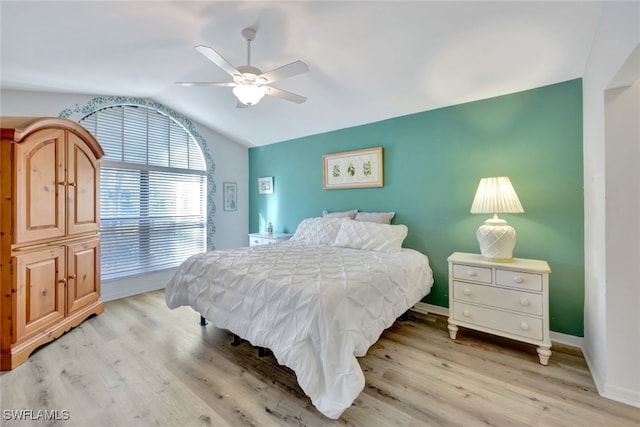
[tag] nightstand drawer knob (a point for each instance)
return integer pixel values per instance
(524, 326)
(471, 273)
(467, 291)
(518, 279)
(466, 313)
(524, 302)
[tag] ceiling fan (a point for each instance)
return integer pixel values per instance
(250, 84)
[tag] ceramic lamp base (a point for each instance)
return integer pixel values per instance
(497, 240)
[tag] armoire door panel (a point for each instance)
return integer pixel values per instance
(83, 274)
(39, 283)
(82, 188)
(40, 183)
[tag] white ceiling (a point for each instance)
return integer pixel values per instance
(368, 60)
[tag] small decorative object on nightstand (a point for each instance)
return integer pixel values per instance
(267, 238)
(509, 300)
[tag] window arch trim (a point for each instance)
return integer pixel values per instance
(77, 112)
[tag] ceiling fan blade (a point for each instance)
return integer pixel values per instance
(289, 70)
(298, 99)
(228, 84)
(217, 59)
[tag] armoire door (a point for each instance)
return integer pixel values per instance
(39, 190)
(83, 274)
(39, 280)
(83, 192)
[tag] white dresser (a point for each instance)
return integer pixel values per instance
(510, 299)
(266, 238)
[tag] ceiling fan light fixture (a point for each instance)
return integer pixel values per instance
(249, 94)
(250, 83)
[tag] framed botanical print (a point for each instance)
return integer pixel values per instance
(353, 169)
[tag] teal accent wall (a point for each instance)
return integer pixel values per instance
(433, 162)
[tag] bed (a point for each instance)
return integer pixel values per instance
(317, 301)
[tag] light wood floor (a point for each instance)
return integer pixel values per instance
(141, 364)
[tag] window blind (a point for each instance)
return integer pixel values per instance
(152, 191)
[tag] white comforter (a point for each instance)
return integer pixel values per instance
(317, 307)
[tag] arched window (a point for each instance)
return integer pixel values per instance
(152, 190)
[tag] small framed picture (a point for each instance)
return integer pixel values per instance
(230, 196)
(265, 185)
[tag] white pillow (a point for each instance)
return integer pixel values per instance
(379, 217)
(318, 230)
(351, 214)
(371, 236)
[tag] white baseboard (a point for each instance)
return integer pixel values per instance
(621, 394)
(598, 379)
(571, 340)
(424, 308)
(134, 285)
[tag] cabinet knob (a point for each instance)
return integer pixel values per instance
(73, 276)
(466, 313)
(63, 281)
(524, 302)
(467, 291)
(73, 184)
(518, 279)
(471, 273)
(524, 326)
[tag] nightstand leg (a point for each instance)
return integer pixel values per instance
(453, 330)
(544, 352)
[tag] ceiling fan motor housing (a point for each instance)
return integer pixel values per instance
(249, 34)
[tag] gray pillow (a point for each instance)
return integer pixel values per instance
(379, 217)
(343, 214)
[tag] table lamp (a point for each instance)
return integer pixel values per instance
(496, 238)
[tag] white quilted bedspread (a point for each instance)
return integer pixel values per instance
(317, 307)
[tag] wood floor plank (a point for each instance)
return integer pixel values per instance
(141, 364)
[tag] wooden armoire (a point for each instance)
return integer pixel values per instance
(49, 242)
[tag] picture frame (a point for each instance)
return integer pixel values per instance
(265, 185)
(353, 169)
(230, 196)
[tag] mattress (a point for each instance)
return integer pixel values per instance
(316, 307)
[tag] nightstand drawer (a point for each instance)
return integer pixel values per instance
(469, 272)
(511, 323)
(508, 299)
(254, 241)
(518, 279)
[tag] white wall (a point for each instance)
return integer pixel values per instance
(231, 164)
(617, 37)
(622, 162)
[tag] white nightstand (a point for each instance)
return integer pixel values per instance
(265, 238)
(509, 299)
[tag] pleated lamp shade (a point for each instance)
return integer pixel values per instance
(496, 195)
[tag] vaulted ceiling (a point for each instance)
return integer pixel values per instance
(368, 60)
